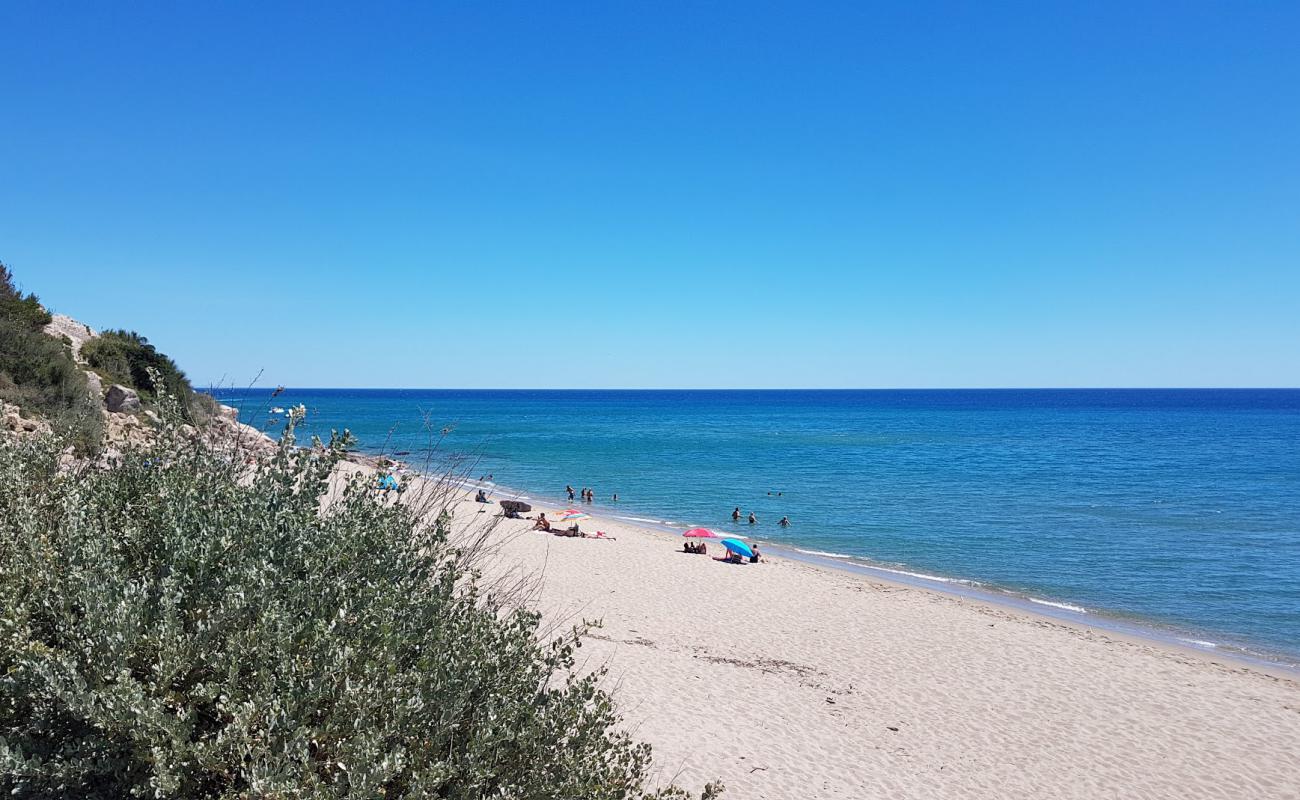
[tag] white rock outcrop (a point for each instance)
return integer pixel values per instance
(78, 333)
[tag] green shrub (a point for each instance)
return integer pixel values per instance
(127, 358)
(170, 628)
(37, 372)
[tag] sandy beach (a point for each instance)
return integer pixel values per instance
(785, 679)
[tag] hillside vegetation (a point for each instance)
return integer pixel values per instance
(37, 372)
(170, 628)
(127, 358)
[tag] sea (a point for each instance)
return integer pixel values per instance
(1172, 512)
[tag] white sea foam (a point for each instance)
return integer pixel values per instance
(643, 519)
(1199, 643)
(1054, 604)
(821, 553)
(923, 576)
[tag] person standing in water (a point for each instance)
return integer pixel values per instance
(785, 522)
(735, 515)
(752, 518)
(569, 489)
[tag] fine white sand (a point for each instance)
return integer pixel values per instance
(787, 680)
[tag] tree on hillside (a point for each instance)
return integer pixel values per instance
(26, 311)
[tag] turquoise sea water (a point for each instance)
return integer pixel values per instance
(1175, 508)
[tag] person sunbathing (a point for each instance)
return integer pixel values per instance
(542, 524)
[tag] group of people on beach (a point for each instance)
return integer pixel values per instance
(732, 557)
(543, 524)
(753, 518)
(588, 496)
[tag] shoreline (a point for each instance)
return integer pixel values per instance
(1283, 665)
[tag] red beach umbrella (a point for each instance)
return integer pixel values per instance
(700, 533)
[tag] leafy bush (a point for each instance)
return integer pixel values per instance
(37, 372)
(178, 627)
(127, 358)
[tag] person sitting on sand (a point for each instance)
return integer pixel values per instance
(481, 497)
(785, 522)
(752, 518)
(542, 524)
(735, 515)
(754, 559)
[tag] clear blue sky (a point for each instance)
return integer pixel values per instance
(665, 195)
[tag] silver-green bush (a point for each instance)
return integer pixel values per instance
(171, 628)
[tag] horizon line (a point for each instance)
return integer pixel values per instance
(766, 389)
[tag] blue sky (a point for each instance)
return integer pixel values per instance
(665, 195)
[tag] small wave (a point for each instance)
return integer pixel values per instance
(1054, 604)
(923, 576)
(643, 519)
(1199, 643)
(821, 553)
